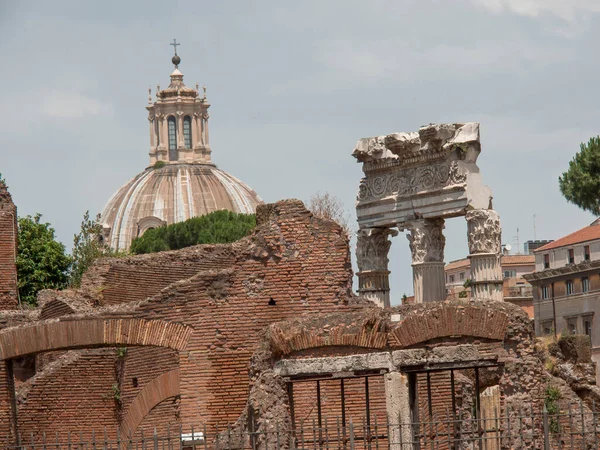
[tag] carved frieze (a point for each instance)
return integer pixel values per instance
(484, 232)
(431, 142)
(427, 241)
(372, 247)
(411, 181)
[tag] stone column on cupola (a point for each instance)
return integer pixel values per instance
(427, 241)
(372, 248)
(484, 236)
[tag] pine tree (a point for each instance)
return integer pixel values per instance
(580, 184)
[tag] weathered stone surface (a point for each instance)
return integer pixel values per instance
(413, 181)
(484, 232)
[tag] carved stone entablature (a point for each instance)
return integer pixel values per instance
(407, 182)
(484, 232)
(434, 141)
(372, 247)
(427, 241)
(427, 174)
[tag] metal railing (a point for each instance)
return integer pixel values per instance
(575, 428)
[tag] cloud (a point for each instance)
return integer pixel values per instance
(567, 10)
(349, 63)
(71, 105)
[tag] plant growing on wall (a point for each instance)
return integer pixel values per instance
(551, 404)
(41, 260)
(327, 206)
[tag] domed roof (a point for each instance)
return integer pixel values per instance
(173, 193)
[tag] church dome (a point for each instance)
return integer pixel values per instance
(170, 194)
(182, 181)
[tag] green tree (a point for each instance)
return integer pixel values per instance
(580, 184)
(41, 260)
(219, 227)
(88, 245)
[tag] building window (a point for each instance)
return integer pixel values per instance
(510, 274)
(585, 284)
(187, 131)
(172, 138)
(572, 327)
(570, 287)
(571, 256)
(451, 278)
(545, 292)
(587, 326)
(547, 261)
(462, 276)
(586, 253)
(547, 327)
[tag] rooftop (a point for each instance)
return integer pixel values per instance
(507, 260)
(589, 233)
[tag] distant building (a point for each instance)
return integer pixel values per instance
(515, 288)
(181, 180)
(531, 246)
(566, 285)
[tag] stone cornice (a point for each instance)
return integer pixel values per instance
(569, 269)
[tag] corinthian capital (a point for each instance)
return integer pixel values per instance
(484, 232)
(372, 247)
(427, 241)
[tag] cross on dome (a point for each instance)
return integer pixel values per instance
(176, 59)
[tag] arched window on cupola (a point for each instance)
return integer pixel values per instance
(187, 131)
(172, 138)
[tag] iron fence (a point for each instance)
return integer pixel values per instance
(573, 428)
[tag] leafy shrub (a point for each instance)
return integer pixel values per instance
(219, 227)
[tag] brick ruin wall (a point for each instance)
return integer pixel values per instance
(78, 393)
(434, 333)
(293, 264)
(113, 281)
(8, 250)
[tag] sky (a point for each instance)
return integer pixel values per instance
(293, 86)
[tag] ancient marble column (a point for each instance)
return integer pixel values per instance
(427, 242)
(484, 235)
(372, 249)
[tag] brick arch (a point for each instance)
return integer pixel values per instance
(367, 333)
(158, 390)
(89, 333)
(449, 320)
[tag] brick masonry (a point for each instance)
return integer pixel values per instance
(8, 250)
(207, 308)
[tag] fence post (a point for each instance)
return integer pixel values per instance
(546, 429)
(351, 431)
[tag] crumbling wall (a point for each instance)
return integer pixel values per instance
(294, 264)
(420, 335)
(113, 281)
(9, 296)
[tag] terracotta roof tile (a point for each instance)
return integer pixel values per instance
(452, 265)
(588, 233)
(507, 260)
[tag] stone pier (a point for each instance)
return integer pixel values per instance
(427, 247)
(372, 247)
(484, 235)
